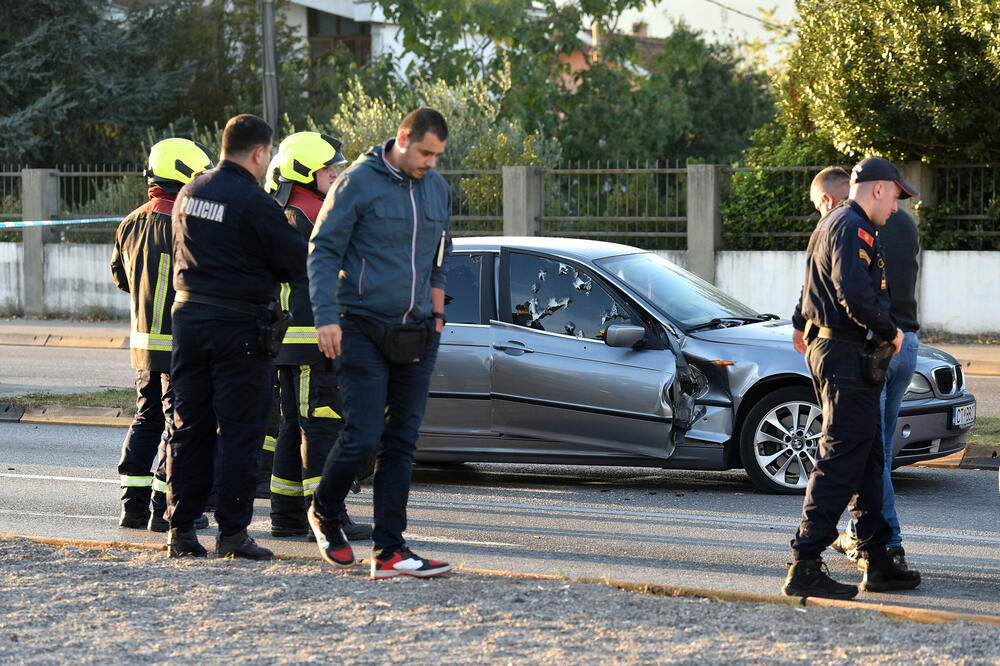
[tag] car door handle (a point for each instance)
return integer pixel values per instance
(516, 350)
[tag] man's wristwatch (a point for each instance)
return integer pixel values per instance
(439, 315)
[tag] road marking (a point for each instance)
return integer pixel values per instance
(43, 477)
(43, 514)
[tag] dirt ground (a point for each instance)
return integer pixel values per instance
(72, 605)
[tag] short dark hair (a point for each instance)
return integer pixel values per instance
(245, 132)
(833, 177)
(424, 120)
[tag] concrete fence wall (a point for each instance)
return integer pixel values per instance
(957, 289)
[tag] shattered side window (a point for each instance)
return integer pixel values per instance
(552, 296)
(461, 295)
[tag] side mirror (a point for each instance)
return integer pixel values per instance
(623, 335)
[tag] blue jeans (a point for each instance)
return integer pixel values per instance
(897, 378)
(369, 386)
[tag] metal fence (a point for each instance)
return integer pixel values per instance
(768, 208)
(645, 205)
(967, 211)
(476, 201)
(10, 200)
(98, 191)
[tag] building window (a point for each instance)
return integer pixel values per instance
(328, 31)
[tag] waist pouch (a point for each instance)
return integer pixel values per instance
(398, 343)
(271, 328)
(875, 360)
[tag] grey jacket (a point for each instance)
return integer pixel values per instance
(380, 243)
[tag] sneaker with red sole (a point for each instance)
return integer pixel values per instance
(333, 546)
(403, 562)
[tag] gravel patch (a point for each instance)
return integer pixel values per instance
(67, 604)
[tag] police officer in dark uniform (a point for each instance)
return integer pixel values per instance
(844, 302)
(232, 246)
(140, 267)
(311, 407)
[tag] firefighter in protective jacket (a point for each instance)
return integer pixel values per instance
(141, 266)
(311, 410)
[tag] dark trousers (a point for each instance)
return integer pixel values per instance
(384, 405)
(147, 437)
(848, 470)
(222, 390)
(311, 421)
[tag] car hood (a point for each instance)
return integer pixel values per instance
(774, 334)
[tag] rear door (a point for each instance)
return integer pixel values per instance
(553, 377)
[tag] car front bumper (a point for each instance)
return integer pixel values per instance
(924, 430)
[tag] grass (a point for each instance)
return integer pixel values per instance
(985, 432)
(933, 336)
(123, 399)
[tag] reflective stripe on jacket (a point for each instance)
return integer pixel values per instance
(141, 266)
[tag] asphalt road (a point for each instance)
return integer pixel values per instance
(69, 370)
(700, 529)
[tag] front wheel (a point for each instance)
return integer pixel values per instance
(779, 440)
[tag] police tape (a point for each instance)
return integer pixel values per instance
(44, 223)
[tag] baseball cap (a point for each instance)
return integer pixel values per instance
(879, 168)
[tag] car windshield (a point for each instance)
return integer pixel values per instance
(681, 296)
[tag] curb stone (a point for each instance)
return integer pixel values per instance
(911, 613)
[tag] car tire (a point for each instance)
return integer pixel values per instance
(779, 439)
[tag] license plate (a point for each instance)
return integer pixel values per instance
(963, 416)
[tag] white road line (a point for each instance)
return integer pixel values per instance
(75, 479)
(43, 514)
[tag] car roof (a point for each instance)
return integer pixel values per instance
(570, 248)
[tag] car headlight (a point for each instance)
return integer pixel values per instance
(918, 385)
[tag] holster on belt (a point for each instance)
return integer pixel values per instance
(810, 332)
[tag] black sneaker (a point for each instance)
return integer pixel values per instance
(201, 522)
(354, 531)
(846, 544)
(883, 575)
(180, 544)
(403, 562)
(134, 520)
(242, 545)
(330, 538)
(810, 578)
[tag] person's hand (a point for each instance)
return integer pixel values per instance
(328, 337)
(438, 325)
(897, 341)
(799, 340)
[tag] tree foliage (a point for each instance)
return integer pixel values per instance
(66, 91)
(911, 79)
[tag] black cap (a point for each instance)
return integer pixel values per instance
(879, 168)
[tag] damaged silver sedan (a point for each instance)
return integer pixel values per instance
(584, 352)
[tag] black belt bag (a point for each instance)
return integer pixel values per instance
(875, 359)
(398, 343)
(272, 321)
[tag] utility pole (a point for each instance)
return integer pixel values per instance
(270, 66)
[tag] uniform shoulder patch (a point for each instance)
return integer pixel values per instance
(865, 236)
(864, 255)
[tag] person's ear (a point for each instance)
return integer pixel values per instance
(402, 137)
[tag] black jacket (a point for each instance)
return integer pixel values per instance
(900, 242)
(845, 286)
(299, 346)
(231, 240)
(140, 266)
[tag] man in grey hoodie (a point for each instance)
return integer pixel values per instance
(377, 271)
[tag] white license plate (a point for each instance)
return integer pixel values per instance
(963, 416)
